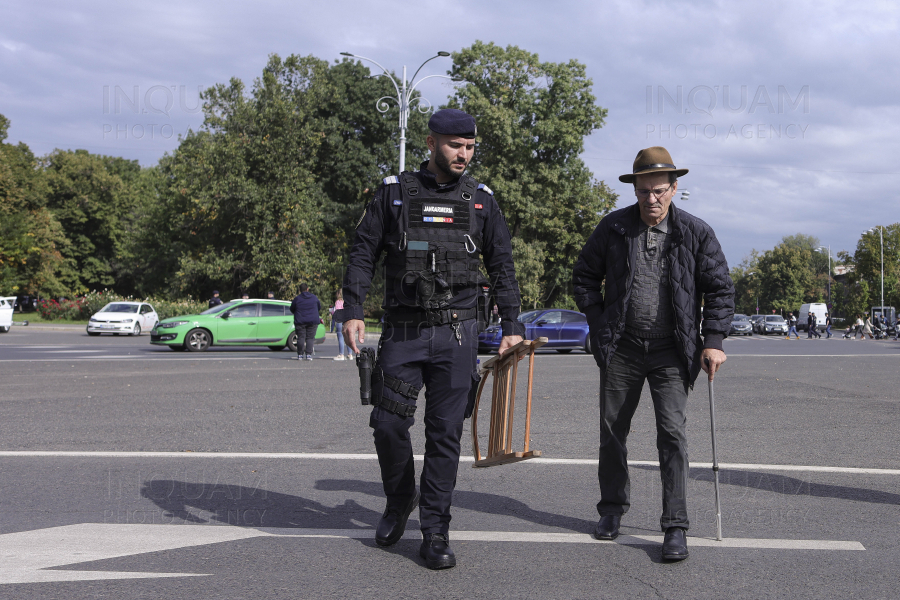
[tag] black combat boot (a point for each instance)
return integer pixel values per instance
(435, 549)
(393, 522)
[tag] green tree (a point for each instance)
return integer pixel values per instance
(532, 119)
(861, 288)
(30, 236)
(88, 197)
(267, 194)
(785, 277)
(792, 273)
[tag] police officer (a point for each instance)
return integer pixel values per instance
(434, 225)
(215, 300)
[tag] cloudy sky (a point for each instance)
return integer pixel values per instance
(786, 114)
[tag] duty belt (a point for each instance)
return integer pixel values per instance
(431, 317)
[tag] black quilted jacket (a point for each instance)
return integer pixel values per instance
(698, 276)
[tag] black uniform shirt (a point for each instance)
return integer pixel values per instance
(380, 217)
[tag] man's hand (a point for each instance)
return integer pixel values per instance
(508, 342)
(352, 329)
(715, 359)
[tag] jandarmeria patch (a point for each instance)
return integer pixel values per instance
(435, 209)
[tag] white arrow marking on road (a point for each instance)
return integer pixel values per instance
(25, 555)
(29, 556)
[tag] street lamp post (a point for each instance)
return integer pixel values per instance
(881, 239)
(757, 292)
(404, 98)
(819, 249)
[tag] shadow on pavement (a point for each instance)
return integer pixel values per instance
(791, 486)
(244, 506)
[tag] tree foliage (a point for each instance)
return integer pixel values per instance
(861, 288)
(532, 119)
(266, 194)
(30, 236)
(783, 278)
(86, 194)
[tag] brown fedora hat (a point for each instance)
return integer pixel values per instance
(652, 160)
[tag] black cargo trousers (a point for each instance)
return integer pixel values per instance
(433, 356)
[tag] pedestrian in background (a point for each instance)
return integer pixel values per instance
(855, 328)
(792, 326)
(337, 323)
(305, 308)
(270, 295)
(828, 325)
(215, 300)
(867, 329)
(812, 326)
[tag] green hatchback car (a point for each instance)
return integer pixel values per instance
(236, 323)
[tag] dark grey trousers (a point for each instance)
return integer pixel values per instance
(659, 363)
(306, 337)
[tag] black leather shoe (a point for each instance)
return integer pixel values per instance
(393, 523)
(608, 527)
(675, 544)
(435, 549)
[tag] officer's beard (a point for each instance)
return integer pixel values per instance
(444, 165)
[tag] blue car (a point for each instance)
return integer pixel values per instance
(566, 330)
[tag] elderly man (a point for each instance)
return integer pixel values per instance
(659, 266)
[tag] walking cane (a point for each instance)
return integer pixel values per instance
(715, 460)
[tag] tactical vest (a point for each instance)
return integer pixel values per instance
(437, 237)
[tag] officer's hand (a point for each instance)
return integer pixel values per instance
(508, 342)
(352, 329)
(710, 360)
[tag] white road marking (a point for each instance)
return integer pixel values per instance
(67, 351)
(419, 457)
(579, 538)
(146, 356)
(26, 554)
(812, 355)
(29, 556)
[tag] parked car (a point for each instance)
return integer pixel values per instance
(236, 323)
(740, 325)
(123, 317)
(755, 320)
(774, 324)
(6, 313)
(565, 330)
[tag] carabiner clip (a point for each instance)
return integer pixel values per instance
(469, 241)
(401, 245)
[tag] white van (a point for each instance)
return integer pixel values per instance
(817, 308)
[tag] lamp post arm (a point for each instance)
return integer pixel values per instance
(422, 65)
(385, 74)
(415, 84)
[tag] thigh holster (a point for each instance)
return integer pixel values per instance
(380, 381)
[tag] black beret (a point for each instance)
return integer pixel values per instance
(451, 121)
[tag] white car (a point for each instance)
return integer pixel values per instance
(123, 317)
(6, 312)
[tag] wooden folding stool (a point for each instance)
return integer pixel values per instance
(504, 369)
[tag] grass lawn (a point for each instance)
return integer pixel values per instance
(35, 317)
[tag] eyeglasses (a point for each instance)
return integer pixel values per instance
(657, 193)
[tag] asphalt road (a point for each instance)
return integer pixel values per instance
(131, 471)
